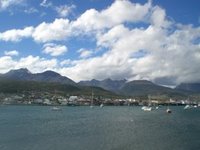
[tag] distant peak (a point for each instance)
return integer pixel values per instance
(94, 80)
(23, 70)
(108, 79)
(49, 72)
(142, 81)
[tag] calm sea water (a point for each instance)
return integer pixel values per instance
(108, 128)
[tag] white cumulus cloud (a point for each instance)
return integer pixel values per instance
(171, 50)
(64, 10)
(33, 63)
(119, 12)
(4, 4)
(84, 53)
(16, 35)
(11, 53)
(55, 31)
(54, 49)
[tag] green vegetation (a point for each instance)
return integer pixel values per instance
(16, 86)
(136, 89)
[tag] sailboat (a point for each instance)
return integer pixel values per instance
(168, 110)
(92, 105)
(101, 105)
(147, 108)
(188, 106)
(55, 108)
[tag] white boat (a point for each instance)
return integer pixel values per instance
(101, 105)
(147, 108)
(168, 110)
(195, 106)
(187, 107)
(55, 108)
(91, 104)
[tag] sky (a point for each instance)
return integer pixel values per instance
(154, 40)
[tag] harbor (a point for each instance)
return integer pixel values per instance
(82, 128)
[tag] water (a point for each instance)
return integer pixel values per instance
(108, 128)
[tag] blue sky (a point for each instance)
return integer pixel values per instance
(98, 38)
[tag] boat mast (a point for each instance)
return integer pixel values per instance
(92, 98)
(149, 97)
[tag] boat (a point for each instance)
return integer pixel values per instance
(101, 105)
(187, 107)
(55, 108)
(168, 111)
(91, 104)
(147, 108)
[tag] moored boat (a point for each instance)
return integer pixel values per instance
(147, 108)
(187, 107)
(168, 110)
(55, 108)
(101, 105)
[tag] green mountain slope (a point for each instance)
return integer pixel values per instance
(16, 86)
(145, 88)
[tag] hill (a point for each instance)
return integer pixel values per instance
(108, 84)
(23, 80)
(18, 86)
(192, 87)
(145, 88)
(24, 74)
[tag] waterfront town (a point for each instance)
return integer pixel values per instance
(73, 100)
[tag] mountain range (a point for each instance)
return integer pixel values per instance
(192, 87)
(24, 74)
(120, 87)
(108, 84)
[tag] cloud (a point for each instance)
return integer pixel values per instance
(31, 10)
(109, 38)
(46, 4)
(64, 10)
(55, 31)
(11, 53)
(119, 12)
(66, 62)
(35, 64)
(16, 35)
(58, 30)
(6, 63)
(158, 51)
(4, 4)
(84, 53)
(158, 17)
(167, 55)
(54, 49)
